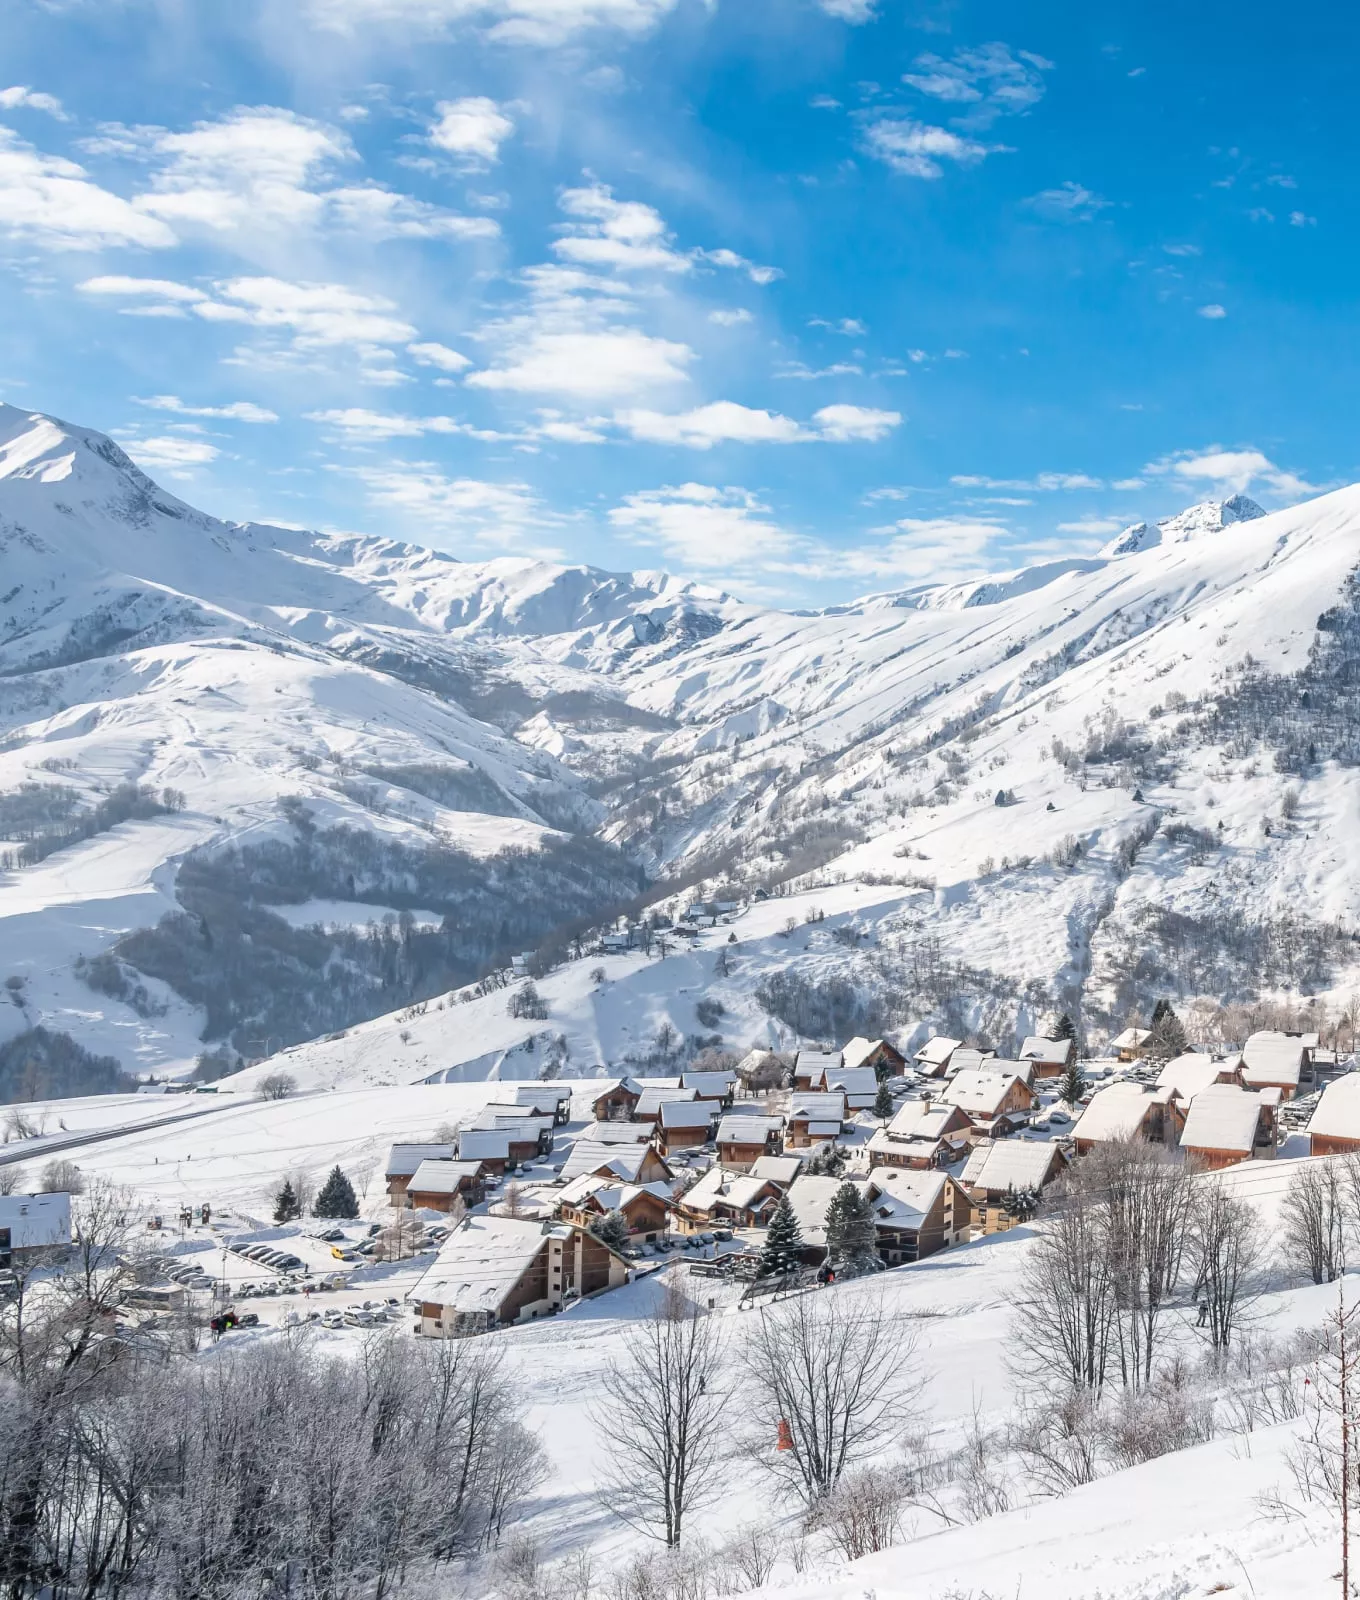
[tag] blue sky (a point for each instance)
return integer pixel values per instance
(811, 298)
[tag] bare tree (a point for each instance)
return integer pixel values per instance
(12, 1179)
(752, 1556)
(665, 1412)
(832, 1375)
(277, 1086)
(1226, 1251)
(863, 1513)
(1066, 1309)
(1313, 1219)
(62, 1177)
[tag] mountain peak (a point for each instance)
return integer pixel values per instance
(1209, 516)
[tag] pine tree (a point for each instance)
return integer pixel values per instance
(834, 1223)
(337, 1198)
(851, 1234)
(1021, 1204)
(1063, 1028)
(1160, 1010)
(612, 1229)
(1072, 1085)
(783, 1248)
(286, 1207)
(1167, 1038)
(883, 1103)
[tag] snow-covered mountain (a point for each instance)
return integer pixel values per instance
(1036, 773)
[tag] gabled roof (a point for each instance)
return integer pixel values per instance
(922, 1119)
(443, 1177)
(542, 1096)
(935, 1052)
(903, 1199)
(854, 1080)
(859, 1049)
(1338, 1111)
(980, 1093)
(617, 1133)
(741, 1127)
(739, 1191)
(523, 1125)
(1223, 1117)
(687, 1113)
(608, 1195)
(652, 1100)
(777, 1169)
(1189, 1073)
(485, 1144)
(1273, 1058)
(1117, 1112)
(967, 1059)
(1131, 1039)
(624, 1161)
(1012, 1164)
(1039, 1048)
(809, 1196)
(710, 1085)
(821, 1107)
(480, 1263)
(403, 1159)
(813, 1063)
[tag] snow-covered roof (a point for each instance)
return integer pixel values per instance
(1011, 1164)
(824, 1130)
(935, 1052)
(859, 1049)
(687, 1113)
(1222, 1117)
(617, 1132)
(1188, 1074)
(1131, 1039)
(1117, 1112)
(808, 1103)
(744, 1128)
(619, 1160)
(710, 1085)
(1269, 1057)
(403, 1159)
(1338, 1111)
(979, 1093)
(854, 1081)
(813, 1063)
(904, 1198)
(1053, 1052)
(651, 1081)
(921, 1119)
(520, 1122)
(968, 1059)
(542, 1096)
(653, 1099)
(485, 1144)
(737, 1190)
(777, 1169)
(480, 1263)
(442, 1177)
(809, 1196)
(610, 1196)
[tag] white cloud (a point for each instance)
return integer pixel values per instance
(1092, 525)
(991, 81)
(473, 128)
(852, 11)
(1212, 313)
(356, 422)
(845, 424)
(724, 421)
(161, 288)
(729, 258)
(703, 527)
(1069, 202)
(611, 363)
(465, 507)
(430, 354)
(49, 201)
(171, 455)
(730, 318)
(800, 369)
(1049, 482)
(1182, 249)
(924, 548)
(916, 149)
(1301, 219)
(1231, 471)
(533, 22)
(851, 327)
(20, 96)
(236, 411)
(619, 234)
(377, 213)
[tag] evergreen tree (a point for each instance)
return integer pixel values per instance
(1072, 1084)
(782, 1251)
(1160, 1010)
(1167, 1038)
(827, 1160)
(337, 1198)
(883, 1103)
(1021, 1204)
(837, 1213)
(612, 1229)
(851, 1234)
(1063, 1028)
(286, 1207)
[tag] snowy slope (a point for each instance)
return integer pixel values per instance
(245, 665)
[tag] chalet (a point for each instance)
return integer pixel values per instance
(740, 1200)
(809, 1196)
(438, 1185)
(645, 1207)
(743, 1139)
(1126, 1111)
(810, 1068)
(615, 1101)
(1278, 1061)
(531, 1134)
(545, 1099)
(916, 1214)
(617, 1132)
(1226, 1125)
(886, 1060)
(923, 1134)
(859, 1085)
(494, 1272)
(716, 1086)
(968, 1059)
(1010, 1166)
(1189, 1073)
(629, 1163)
(933, 1056)
(759, 1070)
(814, 1118)
(490, 1146)
(648, 1108)
(1335, 1128)
(684, 1124)
(993, 1102)
(1051, 1057)
(402, 1161)
(778, 1169)
(1128, 1046)
(30, 1223)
